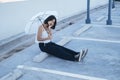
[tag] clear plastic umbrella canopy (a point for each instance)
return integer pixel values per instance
(37, 20)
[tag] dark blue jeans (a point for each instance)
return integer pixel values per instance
(58, 51)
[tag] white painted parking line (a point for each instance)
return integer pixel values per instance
(91, 39)
(105, 26)
(6, 1)
(81, 30)
(59, 73)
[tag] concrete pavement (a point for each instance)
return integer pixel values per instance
(101, 63)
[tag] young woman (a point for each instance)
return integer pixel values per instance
(44, 37)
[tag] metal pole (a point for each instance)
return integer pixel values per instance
(113, 4)
(88, 21)
(109, 21)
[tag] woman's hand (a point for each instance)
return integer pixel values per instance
(49, 36)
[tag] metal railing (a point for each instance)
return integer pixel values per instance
(111, 4)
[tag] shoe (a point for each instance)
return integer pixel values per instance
(84, 54)
(80, 56)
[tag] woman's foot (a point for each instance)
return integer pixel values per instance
(84, 53)
(79, 56)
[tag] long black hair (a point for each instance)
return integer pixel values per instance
(51, 17)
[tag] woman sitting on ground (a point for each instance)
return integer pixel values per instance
(44, 36)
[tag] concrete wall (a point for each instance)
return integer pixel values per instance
(14, 15)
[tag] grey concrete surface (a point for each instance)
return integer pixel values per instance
(102, 60)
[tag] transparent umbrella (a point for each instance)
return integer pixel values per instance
(37, 20)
